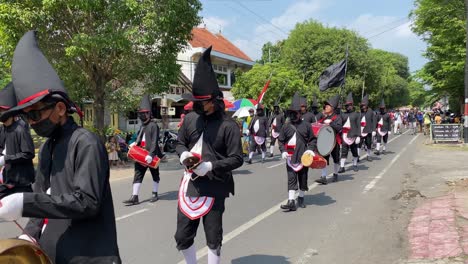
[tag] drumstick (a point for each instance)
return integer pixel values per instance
(24, 232)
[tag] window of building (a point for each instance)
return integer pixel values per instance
(221, 72)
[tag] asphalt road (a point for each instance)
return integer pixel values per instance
(352, 221)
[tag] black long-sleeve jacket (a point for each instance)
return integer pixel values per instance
(81, 222)
(221, 146)
(305, 140)
(386, 122)
(371, 121)
(2, 139)
(19, 169)
(309, 117)
(355, 122)
(262, 129)
(336, 123)
(151, 132)
(279, 122)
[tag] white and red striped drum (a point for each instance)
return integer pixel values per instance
(313, 161)
(138, 154)
(20, 251)
(326, 138)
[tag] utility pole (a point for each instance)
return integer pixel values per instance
(465, 128)
(269, 53)
(364, 84)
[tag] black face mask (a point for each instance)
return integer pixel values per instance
(143, 117)
(294, 116)
(45, 128)
(260, 112)
(382, 110)
(198, 108)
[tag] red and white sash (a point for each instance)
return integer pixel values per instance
(273, 128)
(193, 207)
(379, 127)
(346, 128)
(363, 125)
(290, 147)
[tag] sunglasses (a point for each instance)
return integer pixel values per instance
(35, 115)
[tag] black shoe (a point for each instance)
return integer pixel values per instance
(271, 155)
(358, 159)
(355, 168)
(335, 177)
(300, 202)
(290, 206)
(263, 160)
(249, 161)
(132, 201)
(342, 169)
(154, 197)
(383, 152)
(322, 180)
(369, 159)
(377, 153)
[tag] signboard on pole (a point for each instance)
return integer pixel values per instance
(446, 132)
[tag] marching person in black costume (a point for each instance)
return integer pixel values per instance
(18, 174)
(314, 110)
(258, 130)
(351, 133)
(296, 138)
(334, 120)
(276, 123)
(383, 128)
(368, 124)
(214, 139)
(306, 115)
(148, 138)
(71, 211)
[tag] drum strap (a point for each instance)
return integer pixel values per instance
(332, 119)
(299, 134)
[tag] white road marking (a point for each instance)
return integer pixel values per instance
(276, 165)
(131, 214)
(382, 173)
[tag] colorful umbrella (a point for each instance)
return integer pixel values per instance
(243, 103)
(227, 103)
(243, 111)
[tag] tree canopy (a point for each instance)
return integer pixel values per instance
(101, 48)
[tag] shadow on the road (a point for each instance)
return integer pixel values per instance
(388, 152)
(360, 168)
(242, 172)
(261, 259)
(320, 199)
(345, 177)
(167, 196)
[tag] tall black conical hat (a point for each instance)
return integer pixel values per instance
(333, 101)
(205, 86)
(349, 99)
(315, 102)
(7, 101)
(33, 76)
(145, 104)
(296, 102)
(303, 101)
(365, 100)
(382, 104)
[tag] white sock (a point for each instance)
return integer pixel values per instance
(368, 152)
(359, 151)
(378, 147)
(355, 161)
(213, 258)
(384, 146)
(136, 188)
(263, 154)
(272, 149)
(342, 162)
(336, 168)
(251, 155)
(301, 193)
(190, 255)
(324, 172)
(291, 194)
(155, 186)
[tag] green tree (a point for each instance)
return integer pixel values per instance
(441, 24)
(101, 47)
(271, 52)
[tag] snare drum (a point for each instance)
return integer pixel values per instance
(313, 162)
(138, 154)
(326, 138)
(18, 251)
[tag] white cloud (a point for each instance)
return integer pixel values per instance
(214, 23)
(297, 12)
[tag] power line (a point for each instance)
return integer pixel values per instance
(265, 20)
(384, 25)
(387, 30)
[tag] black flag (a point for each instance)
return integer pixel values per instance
(333, 76)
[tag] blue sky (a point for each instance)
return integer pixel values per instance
(251, 23)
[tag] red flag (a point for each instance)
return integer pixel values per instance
(260, 97)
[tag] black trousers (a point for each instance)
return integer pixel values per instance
(335, 155)
(140, 171)
(4, 191)
(297, 177)
(273, 141)
(345, 149)
(253, 145)
(212, 223)
(366, 140)
(379, 138)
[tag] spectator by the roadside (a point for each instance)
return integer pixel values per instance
(420, 118)
(112, 150)
(438, 119)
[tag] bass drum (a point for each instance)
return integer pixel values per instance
(326, 138)
(18, 251)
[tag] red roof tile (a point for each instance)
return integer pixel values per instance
(203, 38)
